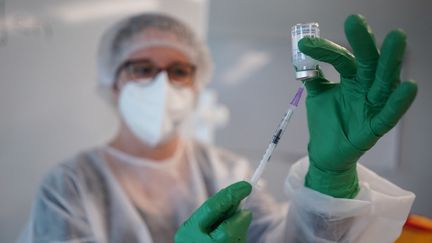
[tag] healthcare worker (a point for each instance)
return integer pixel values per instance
(151, 183)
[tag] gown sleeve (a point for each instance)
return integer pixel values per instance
(57, 213)
(377, 214)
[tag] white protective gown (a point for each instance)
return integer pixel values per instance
(104, 195)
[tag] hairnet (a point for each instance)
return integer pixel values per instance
(144, 31)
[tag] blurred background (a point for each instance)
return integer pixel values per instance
(50, 109)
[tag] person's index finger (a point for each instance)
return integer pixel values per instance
(327, 51)
(219, 205)
(362, 41)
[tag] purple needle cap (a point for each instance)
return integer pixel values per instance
(297, 97)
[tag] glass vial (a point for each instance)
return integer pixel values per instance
(305, 66)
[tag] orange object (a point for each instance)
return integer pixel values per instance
(417, 229)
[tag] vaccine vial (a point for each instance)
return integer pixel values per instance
(305, 66)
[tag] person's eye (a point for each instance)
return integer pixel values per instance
(143, 70)
(181, 72)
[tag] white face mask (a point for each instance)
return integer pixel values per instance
(154, 110)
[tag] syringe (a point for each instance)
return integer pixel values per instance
(305, 68)
(276, 137)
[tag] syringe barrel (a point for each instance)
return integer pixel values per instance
(305, 66)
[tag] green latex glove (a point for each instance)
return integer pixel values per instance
(218, 220)
(346, 119)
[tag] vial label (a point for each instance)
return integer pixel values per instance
(301, 61)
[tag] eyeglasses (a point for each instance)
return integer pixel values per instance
(181, 74)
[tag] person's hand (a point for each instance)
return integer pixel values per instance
(346, 119)
(217, 220)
